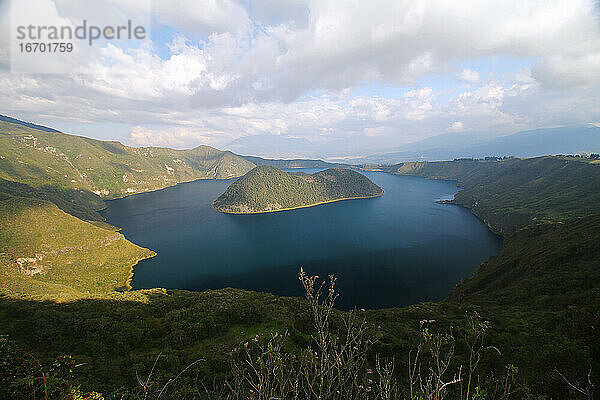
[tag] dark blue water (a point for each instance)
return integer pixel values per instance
(398, 249)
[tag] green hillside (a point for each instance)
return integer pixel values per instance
(51, 182)
(553, 265)
(535, 325)
(541, 292)
(266, 188)
(46, 253)
(61, 164)
(58, 274)
(513, 193)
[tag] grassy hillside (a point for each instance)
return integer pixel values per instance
(267, 188)
(513, 193)
(550, 265)
(57, 162)
(537, 323)
(46, 253)
(80, 203)
(542, 294)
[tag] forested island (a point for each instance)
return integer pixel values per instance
(267, 189)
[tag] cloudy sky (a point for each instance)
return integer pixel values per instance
(328, 77)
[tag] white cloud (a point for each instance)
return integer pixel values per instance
(202, 17)
(457, 126)
(280, 68)
(177, 137)
(468, 75)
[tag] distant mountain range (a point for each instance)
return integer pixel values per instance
(531, 143)
(294, 163)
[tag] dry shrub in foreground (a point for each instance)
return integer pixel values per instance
(338, 363)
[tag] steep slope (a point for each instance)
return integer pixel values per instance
(108, 169)
(541, 293)
(267, 188)
(46, 253)
(513, 193)
(46, 175)
(551, 265)
(80, 203)
(27, 124)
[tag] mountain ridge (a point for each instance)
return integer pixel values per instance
(526, 144)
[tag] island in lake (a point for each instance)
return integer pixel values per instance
(267, 189)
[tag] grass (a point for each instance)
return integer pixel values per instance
(109, 169)
(47, 253)
(540, 292)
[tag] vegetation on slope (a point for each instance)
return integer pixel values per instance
(46, 253)
(552, 265)
(513, 193)
(540, 292)
(266, 188)
(118, 337)
(54, 161)
(79, 203)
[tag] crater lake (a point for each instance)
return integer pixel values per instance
(394, 250)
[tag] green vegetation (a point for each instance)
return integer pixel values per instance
(79, 203)
(51, 182)
(513, 193)
(48, 254)
(59, 165)
(266, 188)
(532, 310)
(550, 266)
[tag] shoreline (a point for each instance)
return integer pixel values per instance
(127, 287)
(163, 188)
(297, 207)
